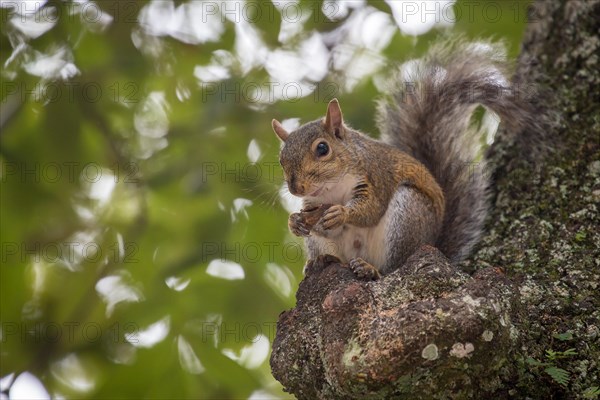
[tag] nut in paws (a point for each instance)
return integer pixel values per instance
(297, 225)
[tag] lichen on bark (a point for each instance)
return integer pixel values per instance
(425, 326)
(544, 229)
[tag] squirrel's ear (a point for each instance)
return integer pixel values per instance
(279, 130)
(333, 120)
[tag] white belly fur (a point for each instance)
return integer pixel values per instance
(350, 241)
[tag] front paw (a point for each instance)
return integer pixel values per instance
(335, 216)
(320, 263)
(363, 270)
(298, 225)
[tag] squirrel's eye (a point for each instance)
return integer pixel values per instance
(322, 149)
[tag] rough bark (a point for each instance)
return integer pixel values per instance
(434, 330)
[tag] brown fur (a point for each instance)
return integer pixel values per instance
(357, 154)
(415, 186)
(428, 117)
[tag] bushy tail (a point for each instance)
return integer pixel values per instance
(430, 115)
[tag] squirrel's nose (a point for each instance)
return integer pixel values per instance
(295, 187)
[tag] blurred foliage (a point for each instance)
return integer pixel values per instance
(145, 250)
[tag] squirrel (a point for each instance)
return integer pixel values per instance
(381, 200)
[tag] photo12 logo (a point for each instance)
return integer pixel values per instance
(67, 332)
(72, 91)
(69, 253)
(68, 171)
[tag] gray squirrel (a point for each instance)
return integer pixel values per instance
(374, 202)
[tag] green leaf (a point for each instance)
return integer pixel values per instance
(551, 355)
(563, 336)
(559, 375)
(580, 236)
(555, 355)
(569, 352)
(536, 363)
(592, 392)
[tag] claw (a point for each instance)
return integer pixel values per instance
(334, 217)
(363, 270)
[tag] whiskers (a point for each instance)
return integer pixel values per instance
(271, 189)
(266, 194)
(290, 202)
